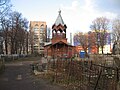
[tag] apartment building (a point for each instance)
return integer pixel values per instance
(38, 36)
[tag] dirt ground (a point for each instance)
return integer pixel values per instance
(17, 76)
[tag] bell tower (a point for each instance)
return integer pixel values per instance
(59, 30)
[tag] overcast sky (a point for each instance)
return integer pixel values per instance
(76, 14)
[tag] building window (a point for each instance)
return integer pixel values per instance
(54, 31)
(41, 44)
(35, 36)
(64, 32)
(58, 32)
(41, 48)
(41, 35)
(36, 29)
(42, 28)
(36, 33)
(41, 40)
(41, 31)
(36, 25)
(35, 47)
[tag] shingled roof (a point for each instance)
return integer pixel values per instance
(59, 19)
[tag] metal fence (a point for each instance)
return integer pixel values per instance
(96, 73)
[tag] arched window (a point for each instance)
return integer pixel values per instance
(63, 32)
(36, 27)
(42, 28)
(58, 32)
(54, 31)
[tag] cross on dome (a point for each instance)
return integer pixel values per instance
(59, 11)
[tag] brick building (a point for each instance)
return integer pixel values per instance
(93, 48)
(59, 46)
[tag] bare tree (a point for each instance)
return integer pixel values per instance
(4, 7)
(13, 29)
(14, 32)
(31, 41)
(27, 42)
(18, 34)
(116, 35)
(14, 17)
(22, 41)
(100, 26)
(5, 26)
(82, 39)
(116, 30)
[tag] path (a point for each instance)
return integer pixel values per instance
(17, 76)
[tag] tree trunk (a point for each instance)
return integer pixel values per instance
(16, 48)
(23, 49)
(86, 54)
(20, 49)
(27, 44)
(6, 47)
(98, 49)
(12, 47)
(102, 50)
